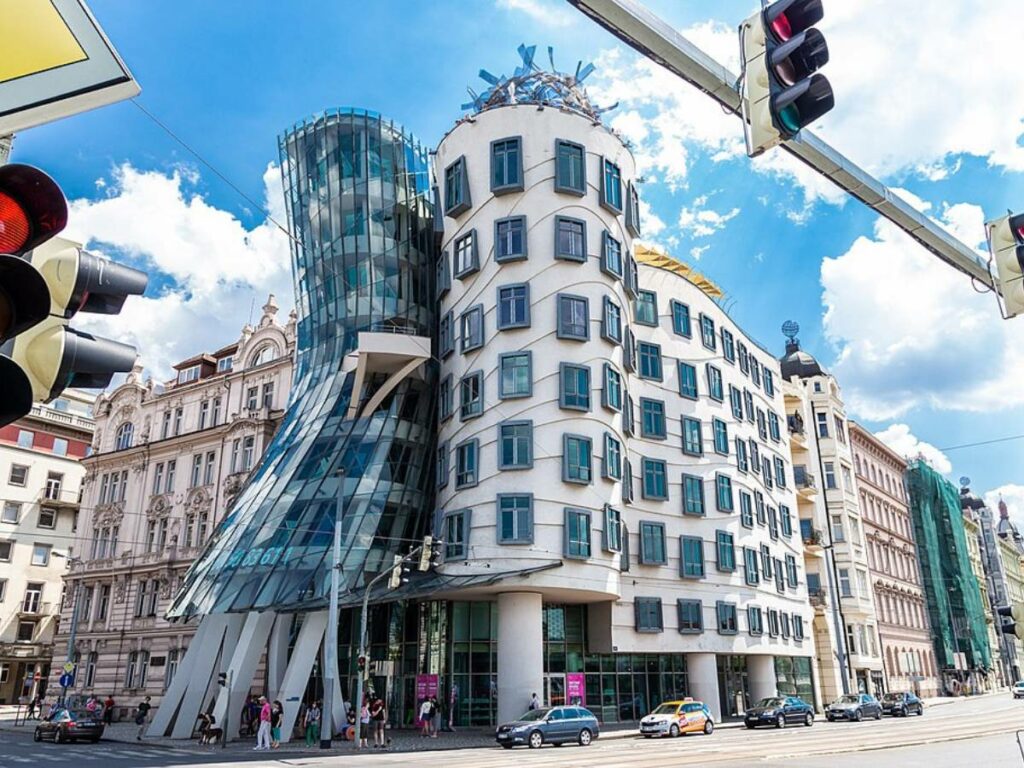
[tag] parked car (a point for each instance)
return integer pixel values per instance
(675, 717)
(854, 706)
(1018, 689)
(780, 711)
(901, 704)
(69, 725)
(553, 725)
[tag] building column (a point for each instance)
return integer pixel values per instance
(761, 677)
(520, 652)
(702, 675)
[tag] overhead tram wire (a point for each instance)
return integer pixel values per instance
(984, 442)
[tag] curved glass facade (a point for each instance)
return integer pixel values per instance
(357, 188)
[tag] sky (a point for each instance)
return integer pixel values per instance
(923, 101)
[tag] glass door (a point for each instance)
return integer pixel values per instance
(554, 690)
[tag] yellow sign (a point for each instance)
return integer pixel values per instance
(34, 38)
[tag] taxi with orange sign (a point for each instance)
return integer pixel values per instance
(674, 718)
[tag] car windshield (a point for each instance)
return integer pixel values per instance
(665, 709)
(535, 714)
(1019, 684)
(849, 699)
(770, 703)
(892, 697)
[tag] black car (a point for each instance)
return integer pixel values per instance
(854, 706)
(901, 704)
(69, 725)
(780, 711)
(553, 725)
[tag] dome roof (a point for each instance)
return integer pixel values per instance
(798, 363)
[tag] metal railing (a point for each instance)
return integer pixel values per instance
(36, 607)
(803, 478)
(795, 424)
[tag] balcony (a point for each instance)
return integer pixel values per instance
(797, 435)
(817, 599)
(34, 607)
(62, 417)
(812, 536)
(806, 485)
(55, 496)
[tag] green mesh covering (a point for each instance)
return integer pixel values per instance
(954, 603)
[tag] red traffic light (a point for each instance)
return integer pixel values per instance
(32, 208)
(14, 226)
(787, 18)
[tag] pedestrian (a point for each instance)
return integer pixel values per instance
(364, 721)
(435, 716)
(34, 705)
(276, 716)
(378, 713)
(534, 702)
(141, 715)
(263, 734)
(312, 723)
(108, 710)
(425, 717)
(92, 704)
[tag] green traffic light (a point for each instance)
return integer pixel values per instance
(790, 118)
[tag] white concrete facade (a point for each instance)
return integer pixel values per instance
(618, 582)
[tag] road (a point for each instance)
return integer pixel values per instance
(973, 731)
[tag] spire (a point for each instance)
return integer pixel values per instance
(1004, 512)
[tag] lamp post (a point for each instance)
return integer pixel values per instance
(331, 637)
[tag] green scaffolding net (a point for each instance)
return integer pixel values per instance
(954, 601)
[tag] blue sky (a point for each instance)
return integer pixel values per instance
(911, 341)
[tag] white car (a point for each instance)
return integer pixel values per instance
(1018, 689)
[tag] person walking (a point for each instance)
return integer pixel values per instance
(108, 710)
(263, 734)
(364, 721)
(34, 705)
(378, 713)
(312, 723)
(534, 702)
(425, 717)
(276, 716)
(141, 717)
(435, 716)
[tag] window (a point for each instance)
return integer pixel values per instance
(655, 483)
(721, 434)
(178, 412)
(822, 419)
(611, 255)
(26, 632)
(723, 493)
(447, 335)
(456, 188)
(766, 471)
(841, 433)
(515, 518)
(687, 381)
(787, 520)
(506, 166)
(515, 445)
(472, 328)
(728, 346)
(467, 260)
(574, 387)
(516, 375)
(444, 275)
(715, 383)
(513, 306)
(47, 518)
(845, 586)
(750, 571)
(18, 475)
(652, 418)
(785, 624)
(445, 398)
(762, 425)
(746, 510)
(755, 459)
(741, 455)
(693, 495)
(769, 387)
(442, 465)
(456, 535)
(780, 472)
(611, 467)
(11, 512)
(577, 533)
(629, 350)
(611, 394)
(693, 437)
(471, 395)
(123, 437)
(611, 321)
(748, 404)
(736, 403)
(773, 426)
(773, 523)
(573, 318)
(611, 186)
(225, 363)
(633, 209)
(612, 541)
(570, 239)
(692, 557)
(755, 620)
(510, 239)
(577, 459)
(830, 475)
(196, 475)
(40, 554)
(650, 360)
(691, 616)
(798, 627)
(726, 551)
(60, 447)
(252, 397)
(6, 550)
(570, 168)
(652, 544)
(648, 614)
(467, 464)
(726, 617)
(707, 332)
(646, 310)
(755, 371)
(627, 416)
(773, 622)
(268, 394)
(3, 594)
(215, 419)
(838, 534)
(188, 374)
(791, 571)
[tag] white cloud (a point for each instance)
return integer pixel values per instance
(1013, 495)
(900, 439)
(213, 266)
(541, 12)
(911, 332)
(705, 222)
(697, 251)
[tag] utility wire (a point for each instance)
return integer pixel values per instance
(984, 442)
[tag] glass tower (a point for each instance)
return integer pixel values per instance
(357, 188)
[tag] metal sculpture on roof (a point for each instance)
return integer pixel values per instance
(529, 84)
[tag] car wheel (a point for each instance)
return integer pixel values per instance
(507, 746)
(920, 710)
(830, 718)
(673, 731)
(780, 721)
(37, 735)
(809, 719)
(750, 726)
(709, 727)
(856, 716)
(878, 715)
(536, 739)
(585, 737)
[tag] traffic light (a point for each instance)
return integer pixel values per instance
(1015, 612)
(398, 572)
(429, 553)
(44, 281)
(222, 679)
(1006, 244)
(782, 90)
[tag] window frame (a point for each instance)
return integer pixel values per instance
(645, 298)
(563, 394)
(568, 189)
(690, 368)
(473, 443)
(474, 343)
(650, 347)
(582, 440)
(687, 445)
(645, 557)
(605, 201)
(511, 423)
(606, 321)
(464, 202)
(560, 331)
(502, 394)
(501, 324)
(645, 462)
(559, 254)
(464, 414)
(726, 613)
(522, 537)
(473, 266)
(723, 484)
(606, 238)
(690, 482)
(697, 611)
(515, 186)
(508, 257)
(643, 611)
(688, 567)
(611, 373)
(660, 418)
(567, 543)
(462, 551)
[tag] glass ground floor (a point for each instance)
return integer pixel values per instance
(449, 649)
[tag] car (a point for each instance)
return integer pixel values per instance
(854, 706)
(901, 704)
(779, 711)
(673, 718)
(550, 725)
(1018, 689)
(66, 725)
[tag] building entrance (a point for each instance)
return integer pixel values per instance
(554, 690)
(733, 688)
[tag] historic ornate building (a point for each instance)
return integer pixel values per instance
(166, 465)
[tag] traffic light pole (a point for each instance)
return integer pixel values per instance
(642, 30)
(72, 636)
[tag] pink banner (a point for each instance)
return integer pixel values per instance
(576, 689)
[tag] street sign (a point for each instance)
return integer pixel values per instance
(69, 666)
(67, 680)
(55, 61)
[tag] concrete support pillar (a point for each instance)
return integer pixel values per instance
(242, 661)
(761, 677)
(520, 652)
(702, 673)
(277, 650)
